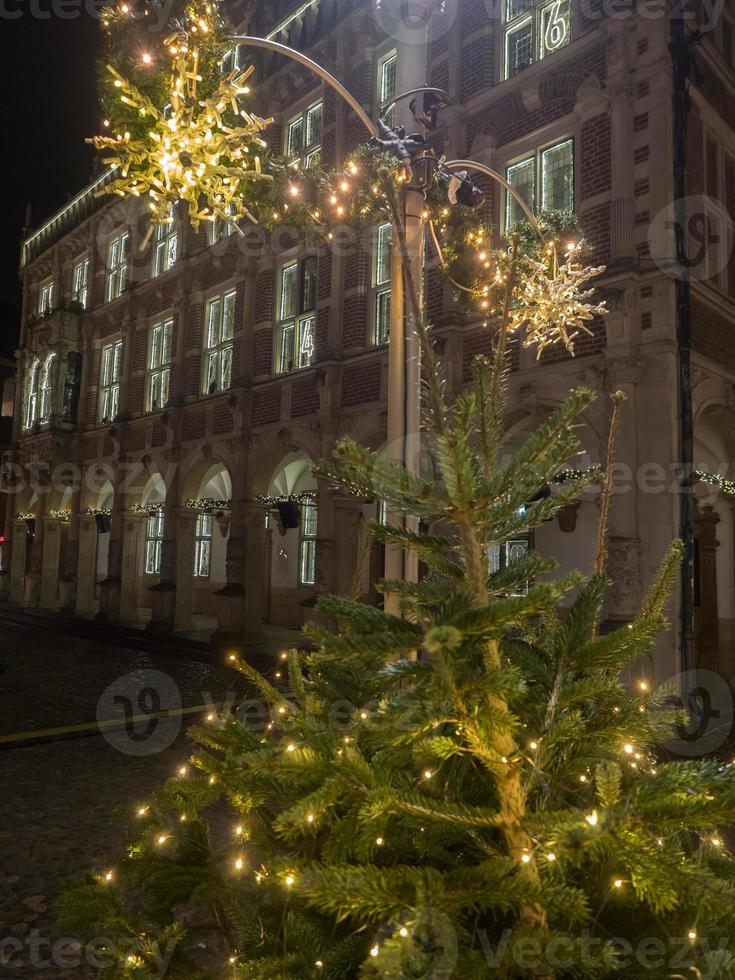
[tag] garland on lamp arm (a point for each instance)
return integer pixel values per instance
(715, 480)
(146, 508)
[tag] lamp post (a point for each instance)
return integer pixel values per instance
(404, 359)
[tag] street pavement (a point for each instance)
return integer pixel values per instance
(64, 801)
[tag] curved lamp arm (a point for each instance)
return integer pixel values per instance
(494, 175)
(330, 80)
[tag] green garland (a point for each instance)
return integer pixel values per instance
(208, 505)
(715, 480)
(293, 498)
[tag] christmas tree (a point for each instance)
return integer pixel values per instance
(465, 790)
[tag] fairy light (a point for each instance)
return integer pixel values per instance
(183, 771)
(533, 746)
(692, 935)
(526, 858)
(319, 964)
(109, 876)
(238, 864)
(628, 749)
(146, 58)
(310, 818)
(290, 880)
(142, 810)
(428, 773)
(379, 841)
(592, 818)
(618, 883)
(643, 685)
(162, 839)
(551, 857)
(290, 747)
(403, 932)
(374, 951)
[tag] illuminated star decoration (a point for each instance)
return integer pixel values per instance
(202, 152)
(552, 306)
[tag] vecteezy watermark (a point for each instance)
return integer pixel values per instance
(707, 699)
(157, 16)
(692, 238)
(68, 953)
(651, 953)
(140, 712)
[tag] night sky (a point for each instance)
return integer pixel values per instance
(47, 78)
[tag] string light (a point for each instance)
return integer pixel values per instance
(618, 883)
(374, 951)
(592, 818)
(403, 932)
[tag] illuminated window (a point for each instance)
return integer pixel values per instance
(545, 181)
(110, 381)
(387, 87)
(47, 386)
(80, 282)
(159, 365)
(220, 228)
(234, 59)
(31, 394)
(154, 542)
(304, 136)
(296, 328)
(46, 298)
(307, 548)
(165, 245)
(381, 284)
(533, 31)
(203, 545)
(117, 266)
(220, 331)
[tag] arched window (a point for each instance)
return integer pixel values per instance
(46, 388)
(31, 394)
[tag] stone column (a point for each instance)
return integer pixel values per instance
(129, 568)
(111, 584)
(186, 519)
(350, 540)
(707, 615)
(32, 587)
(625, 550)
(163, 595)
(230, 598)
(48, 596)
(86, 571)
(18, 561)
(69, 563)
(254, 525)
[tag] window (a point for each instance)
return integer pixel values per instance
(555, 165)
(381, 284)
(165, 245)
(117, 266)
(203, 546)
(532, 31)
(307, 549)
(297, 322)
(506, 554)
(110, 381)
(159, 365)
(46, 298)
(234, 59)
(80, 282)
(31, 394)
(44, 413)
(220, 329)
(153, 542)
(304, 136)
(387, 87)
(219, 228)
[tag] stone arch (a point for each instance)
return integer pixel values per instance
(271, 448)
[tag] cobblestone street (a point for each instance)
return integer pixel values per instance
(64, 801)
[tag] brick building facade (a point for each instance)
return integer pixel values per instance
(211, 366)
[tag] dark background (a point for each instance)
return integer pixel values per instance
(47, 81)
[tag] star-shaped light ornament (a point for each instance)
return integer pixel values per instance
(204, 152)
(552, 306)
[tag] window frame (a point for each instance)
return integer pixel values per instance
(112, 387)
(535, 13)
(155, 521)
(220, 229)
(213, 352)
(380, 287)
(31, 394)
(385, 103)
(162, 369)
(309, 153)
(302, 316)
(536, 156)
(165, 246)
(77, 287)
(46, 389)
(46, 297)
(308, 531)
(116, 280)
(203, 544)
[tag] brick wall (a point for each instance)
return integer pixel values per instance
(222, 418)
(304, 397)
(595, 162)
(595, 225)
(266, 405)
(265, 291)
(712, 335)
(193, 426)
(262, 351)
(361, 383)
